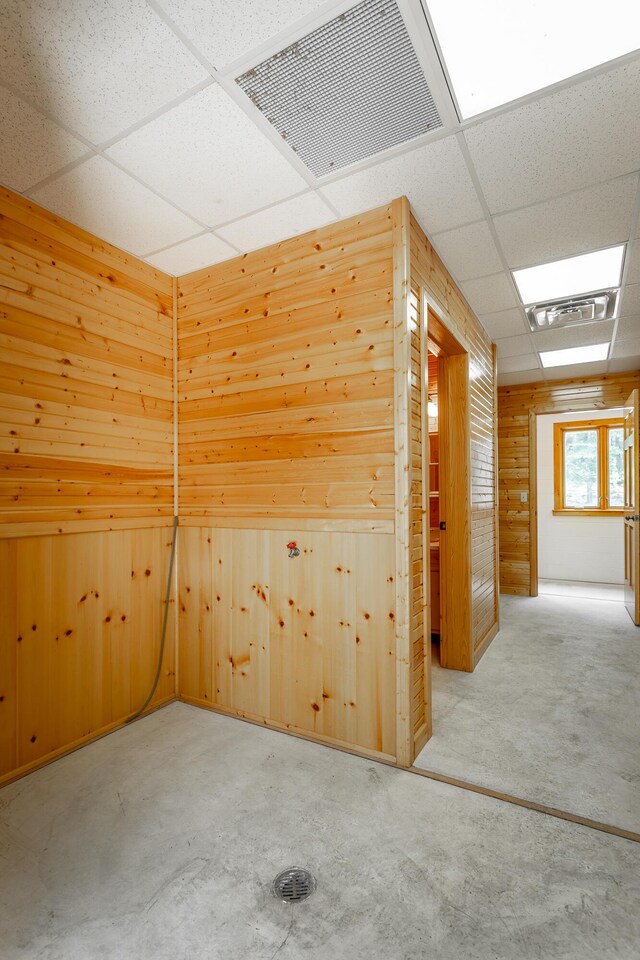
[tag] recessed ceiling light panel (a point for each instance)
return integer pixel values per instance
(347, 91)
(573, 311)
(499, 50)
(599, 270)
(562, 358)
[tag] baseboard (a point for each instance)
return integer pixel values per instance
(484, 644)
(291, 730)
(28, 768)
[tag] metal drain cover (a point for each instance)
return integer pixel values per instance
(294, 885)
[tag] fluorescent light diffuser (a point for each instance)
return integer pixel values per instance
(499, 50)
(567, 278)
(562, 358)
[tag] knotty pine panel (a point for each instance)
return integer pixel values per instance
(285, 363)
(305, 644)
(516, 407)
(86, 379)
(80, 631)
(420, 673)
(428, 271)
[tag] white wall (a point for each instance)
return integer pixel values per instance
(574, 548)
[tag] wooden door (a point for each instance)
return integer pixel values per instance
(456, 646)
(632, 507)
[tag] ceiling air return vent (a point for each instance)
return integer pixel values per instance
(348, 90)
(568, 313)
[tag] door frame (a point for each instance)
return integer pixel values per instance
(537, 410)
(631, 530)
(456, 639)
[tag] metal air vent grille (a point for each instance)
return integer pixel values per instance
(569, 312)
(348, 90)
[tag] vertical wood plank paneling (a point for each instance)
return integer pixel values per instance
(303, 643)
(79, 637)
(518, 407)
(286, 432)
(8, 655)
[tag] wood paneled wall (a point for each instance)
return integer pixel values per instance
(286, 380)
(517, 410)
(80, 629)
(430, 274)
(420, 653)
(86, 456)
(86, 379)
(286, 370)
(307, 644)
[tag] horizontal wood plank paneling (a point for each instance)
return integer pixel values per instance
(86, 385)
(286, 432)
(429, 272)
(80, 630)
(286, 379)
(517, 407)
(86, 460)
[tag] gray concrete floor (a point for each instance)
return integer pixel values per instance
(552, 712)
(160, 841)
(580, 588)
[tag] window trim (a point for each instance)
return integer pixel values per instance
(602, 426)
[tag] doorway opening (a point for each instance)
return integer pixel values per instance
(449, 450)
(579, 493)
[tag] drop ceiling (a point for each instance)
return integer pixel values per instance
(125, 116)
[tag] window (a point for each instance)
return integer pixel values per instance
(588, 468)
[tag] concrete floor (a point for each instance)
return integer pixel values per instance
(160, 842)
(552, 711)
(580, 588)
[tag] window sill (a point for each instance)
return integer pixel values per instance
(588, 513)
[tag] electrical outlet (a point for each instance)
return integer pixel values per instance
(524, 496)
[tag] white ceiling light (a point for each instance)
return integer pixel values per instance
(562, 358)
(498, 50)
(574, 275)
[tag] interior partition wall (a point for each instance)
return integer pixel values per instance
(268, 401)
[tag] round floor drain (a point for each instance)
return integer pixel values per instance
(294, 885)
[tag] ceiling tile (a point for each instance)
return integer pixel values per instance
(527, 361)
(280, 222)
(102, 199)
(576, 370)
(514, 346)
(623, 364)
(628, 328)
(36, 148)
(489, 294)
(577, 336)
(626, 348)
(222, 35)
(506, 323)
(220, 167)
(469, 251)
(192, 255)
(579, 136)
(633, 262)
(97, 67)
(434, 178)
(587, 220)
(519, 376)
(630, 306)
